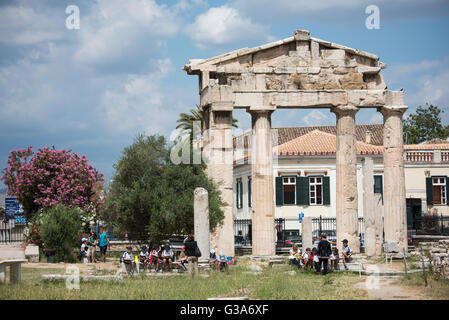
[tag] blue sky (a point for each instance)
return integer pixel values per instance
(94, 89)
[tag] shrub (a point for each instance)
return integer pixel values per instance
(60, 230)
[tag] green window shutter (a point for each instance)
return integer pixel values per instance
(429, 191)
(302, 191)
(378, 184)
(447, 190)
(279, 192)
(239, 194)
(249, 192)
(326, 191)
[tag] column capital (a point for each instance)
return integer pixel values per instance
(391, 110)
(344, 110)
(222, 106)
(261, 109)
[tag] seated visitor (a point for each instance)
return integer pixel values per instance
(182, 260)
(346, 253)
(222, 262)
(213, 263)
(306, 258)
(167, 257)
(295, 255)
(335, 259)
(155, 257)
(144, 257)
(128, 260)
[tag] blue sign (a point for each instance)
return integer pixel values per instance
(12, 208)
(301, 215)
(19, 219)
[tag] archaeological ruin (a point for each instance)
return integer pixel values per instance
(294, 73)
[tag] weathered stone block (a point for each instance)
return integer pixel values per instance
(391, 246)
(333, 54)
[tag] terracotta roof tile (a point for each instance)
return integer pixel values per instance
(318, 142)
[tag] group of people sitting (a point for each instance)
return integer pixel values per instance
(318, 258)
(159, 257)
(219, 263)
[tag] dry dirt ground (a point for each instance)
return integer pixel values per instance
(384, 289)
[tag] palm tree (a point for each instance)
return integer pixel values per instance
(185, 121)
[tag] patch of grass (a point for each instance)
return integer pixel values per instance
(437, 289)
(307, 285)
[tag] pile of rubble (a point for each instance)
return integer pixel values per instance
(438, 251)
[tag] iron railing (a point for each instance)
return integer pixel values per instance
(432, 225)
(285, 237)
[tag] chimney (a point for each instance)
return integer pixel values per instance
(368, 136)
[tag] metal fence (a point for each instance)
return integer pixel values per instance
(11, 233)
(286, 237)
(432, 225)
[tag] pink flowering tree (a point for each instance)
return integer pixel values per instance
(48, 177)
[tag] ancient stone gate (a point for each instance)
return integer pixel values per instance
(299, 72)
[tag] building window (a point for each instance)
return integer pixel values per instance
(239, 192)
(249, 192)
(289, 190)
(439, 190)
(316, 190)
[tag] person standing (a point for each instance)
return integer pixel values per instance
(192, 258)
(104, 243)
(324, 251)
(92, 243)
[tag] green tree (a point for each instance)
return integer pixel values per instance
(425, 124)
(60, 229)
(152, 197)
(186, 120)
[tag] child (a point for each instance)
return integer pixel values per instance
(128, 260)
(167, 256)
(334, 259)
(213, 263)
(144, 257)
(306, 261)
(83, 250)
(315, 259)
(155, 257)
(346, 252)
(182, 261)
(295, 255)
(222, 262)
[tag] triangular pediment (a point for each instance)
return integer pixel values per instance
(299, 62)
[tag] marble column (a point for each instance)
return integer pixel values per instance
(263, 236)
(371, 213)
(306, 233)
(346, 165)
(395, 217)
(218, 155)
(201, 220)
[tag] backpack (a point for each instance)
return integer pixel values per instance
(197, 252)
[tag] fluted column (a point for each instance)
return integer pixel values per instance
(395, 217)
(218, 155)
(346, 165)
(263, 237)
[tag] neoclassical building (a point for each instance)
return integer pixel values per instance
(304, 173)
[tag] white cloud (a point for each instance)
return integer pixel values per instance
(224, 25)
(23, 26)
(140, 104)
(118, 29)
(315, 118)
(338, 11)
